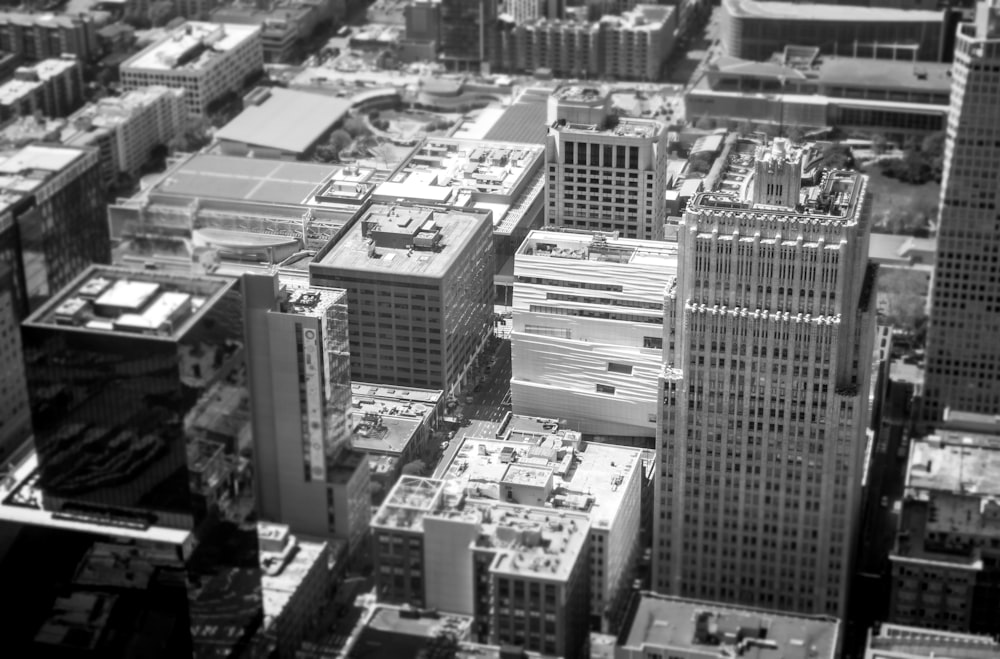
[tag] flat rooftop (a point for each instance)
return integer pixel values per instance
(524, 122)
(409, 501)
(642, 18)
(115, 300)
(310, 301)
(113, 110)
(384, 419)
(380, 241)
(959, 462)
(411, 623)
(714, 630)
(15, 89)
(279, 585)
(898, 641)
(785, 11)
(191, 46)
(601, 247)
(285, 119)
(28, 168)
(247, 179)
(587, 477)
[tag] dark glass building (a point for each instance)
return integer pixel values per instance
(141, 412)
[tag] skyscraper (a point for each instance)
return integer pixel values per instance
(140, 409)
(767, 348)
(963, 354)
(300, 378)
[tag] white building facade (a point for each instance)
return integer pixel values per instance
(207, 60)
(587, 338)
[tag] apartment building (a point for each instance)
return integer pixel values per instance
(962, 356)
(419, 292)
(283, 25)
(125, 129)
(587, 341)
(606, 173)
(295, 585)
(567, 47)
(904, 642)
(521, 571)
(692, 629)
(35, 37)
(756, 29)
(539, 464)
(299, 375)
(637, 43)
(206, 60)
(946, 561)
(51, 88)
(768, 343)
(152, 456)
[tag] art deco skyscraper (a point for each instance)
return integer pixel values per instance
(767, 346)
(963, 353)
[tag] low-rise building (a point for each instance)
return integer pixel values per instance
(52, 88)
(38, 36)
(587, 341)
(946, 562)
(283, 25)
(125, 129)
(283, 124)
(393, 425)
(294, 585)
(207, 60)
(419, 290)
(637, 43)
(662, 626)
(522, 572)
(890, 641)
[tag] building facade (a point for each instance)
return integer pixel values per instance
(162, 437)
(591, 356)
(35, 37)
(15, 414)
(767, 353)
(606, 173)
(566, 47)
(299, 366)
(206, 60)
(125, 129)
(637, 43)
(419, 284)
(946, 561)
(52, 88)
(906, 642)
(756, 29)
(962, 356)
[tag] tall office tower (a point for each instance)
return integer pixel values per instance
(419, 286)
(467, 32)
(963, 354)
(142, 427)
(587, 343)
(606, 173)
(768, 347)
(300, 380)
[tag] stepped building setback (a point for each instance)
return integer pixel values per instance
(767, 349)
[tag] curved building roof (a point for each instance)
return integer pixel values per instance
(779, 11)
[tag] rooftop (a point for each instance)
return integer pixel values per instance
(113, 110)
(310, 301)
(285, 119)
(77, 621)
(574, 475)
(385, 419)
(959, 462)
(524, 121)
(645, 18)
(599, 246)
(27, 78)
(191, 46)
(411, 622)
(784, 11)
(405, 240)
(892, 641)
(715, 630)
(285, 571)
(410, 500)
(27, 169)
(110, 299)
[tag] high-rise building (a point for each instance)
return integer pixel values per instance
(637, 43)
(207, 60)
(587, 343)
(52, 222)
(300, 378)
(767, 354)
(52, 88)
(467, 32)
(37, 36)
(963, 355)
(419, 286)
(15, 415)
(946, 561)
(606, 173)
(143, 434)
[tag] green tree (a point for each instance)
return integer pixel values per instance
(415, 468)
(356, 127)
(879, 143)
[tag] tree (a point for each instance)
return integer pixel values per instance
(355, 127)
(879, 144)
(415, 468)
(339, 140)
(705, 123)
(903, 294)
(837, 156)
(384, 153)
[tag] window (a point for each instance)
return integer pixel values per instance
(605, 389)
(652, 342)
(620, 368)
